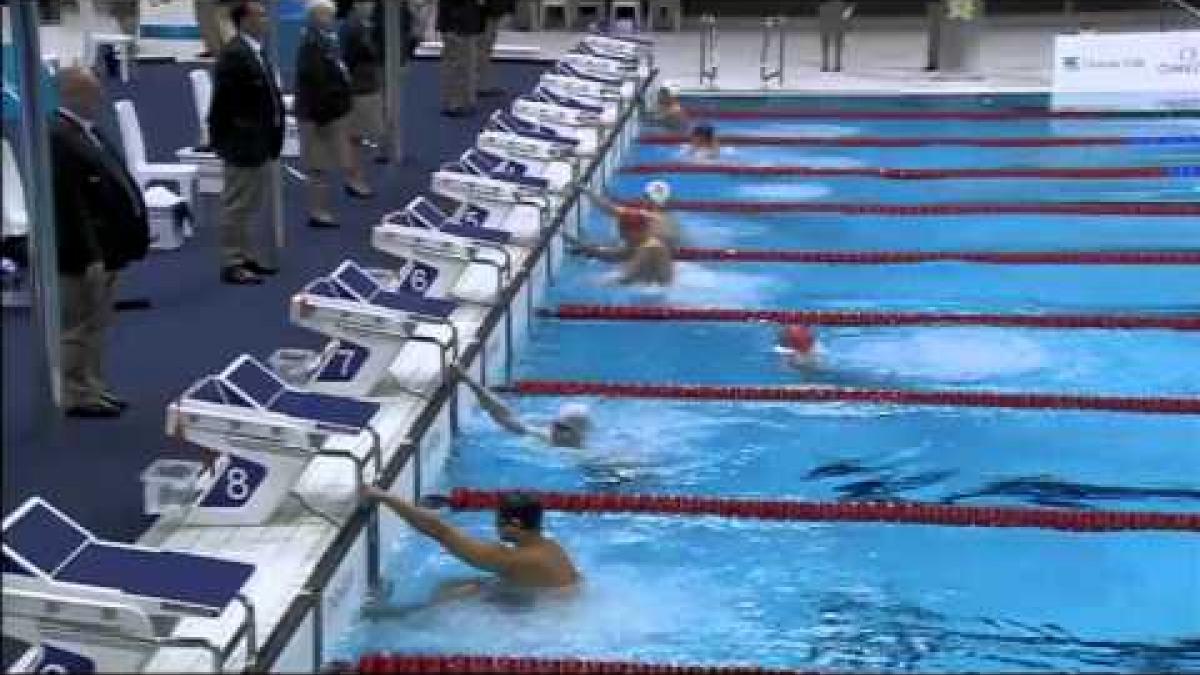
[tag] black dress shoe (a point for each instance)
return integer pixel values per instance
(94, 411)
(455, 112)
(321, 224)
(490, 92)
(359, 194)
(382, 159)
(260, 269)
(239, 275)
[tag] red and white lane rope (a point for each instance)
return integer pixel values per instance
(1079, 173)
(894, 141)
(767, 113)
(907, 513)
(938, 209)
(1170, 405)
(380, 664)
(906, 257)
(1188, 322)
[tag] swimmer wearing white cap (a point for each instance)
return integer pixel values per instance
(569, 429)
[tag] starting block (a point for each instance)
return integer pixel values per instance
(583, 141)
(267, 432)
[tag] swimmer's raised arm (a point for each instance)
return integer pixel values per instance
(480, 554)
(602, 202)
(500, 413)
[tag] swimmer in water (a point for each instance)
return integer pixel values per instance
(525, 560)
(568, 429)
(669, 111)
(704, 144)
(663, 225)
(799, 343)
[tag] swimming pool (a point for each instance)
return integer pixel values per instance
(855, 596)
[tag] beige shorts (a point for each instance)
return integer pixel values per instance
(323, 148)
(366, 120)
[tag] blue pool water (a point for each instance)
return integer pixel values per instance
(857, 596)
(850, 128)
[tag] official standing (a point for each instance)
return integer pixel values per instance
(323, 105)
(833, 20)
(101, 227)
(245, 127)
(494, 13)
(461, 23)
(362, 52)
(935, 11)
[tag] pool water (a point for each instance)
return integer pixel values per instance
(843, 596)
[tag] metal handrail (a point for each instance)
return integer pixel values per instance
(1181, 5)
(773, 29)
(708, 52)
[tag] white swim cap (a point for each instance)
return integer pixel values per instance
(658, 191)
(574, 415)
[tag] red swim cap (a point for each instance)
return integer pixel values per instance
(798, 338)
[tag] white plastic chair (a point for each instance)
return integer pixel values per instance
(183, 175)
(92, 38)
(202, 100)
(16, 217)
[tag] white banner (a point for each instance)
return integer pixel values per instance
(1128, 71)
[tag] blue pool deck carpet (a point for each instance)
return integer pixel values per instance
(197, 325)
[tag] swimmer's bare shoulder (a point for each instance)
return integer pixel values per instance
(546, 565)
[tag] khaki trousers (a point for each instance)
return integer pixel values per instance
(87, 309)
(483, 53)
(212, 17)
(322, 150)
(241, 200)
(459, 70)
(366, 120)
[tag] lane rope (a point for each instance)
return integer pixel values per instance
(582, 312)
(1170, 405)
(1079, 173)
(937, 209)
(907, 257)
(382, 663)
(921, 141)
(966, 115)
(894, 512)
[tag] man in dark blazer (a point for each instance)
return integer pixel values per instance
(101, 227)
(245, 128)
(461, 23)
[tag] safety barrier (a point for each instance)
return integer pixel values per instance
(1077, 173)
(908, 257)
(908, 513)
(919, 141)
(965, 115)
(939, 209)
(806, 394)
(379, 664)
(1188, 322)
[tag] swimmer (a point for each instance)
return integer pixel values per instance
(703, 143)
(799, 344)
(664, 226)
(569, 429)
(645, 258)
(669, 111)
(524, 560)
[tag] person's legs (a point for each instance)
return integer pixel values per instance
(345, 138)
(456, 71)
(241, 198)
(483, 58)
(839, 41)
(318, 152)
(369, 125)
(125, 12)
(105, 292)
(825, 45)
(207, 20)
(79, 296)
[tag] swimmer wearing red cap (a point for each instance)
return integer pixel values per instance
(799, 343)
(649, 237)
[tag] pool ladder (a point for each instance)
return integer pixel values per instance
(708, 51)
(772, 32)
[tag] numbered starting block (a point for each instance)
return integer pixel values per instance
(518, 224)
(606, 111)
(583, 141)
(388, 338)
(460, 183)
(625, 48)
(556, 175)
(618, 91)
(267, 432)
(467, 264)
(603, 67)
(80, 604)
(537, 109)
